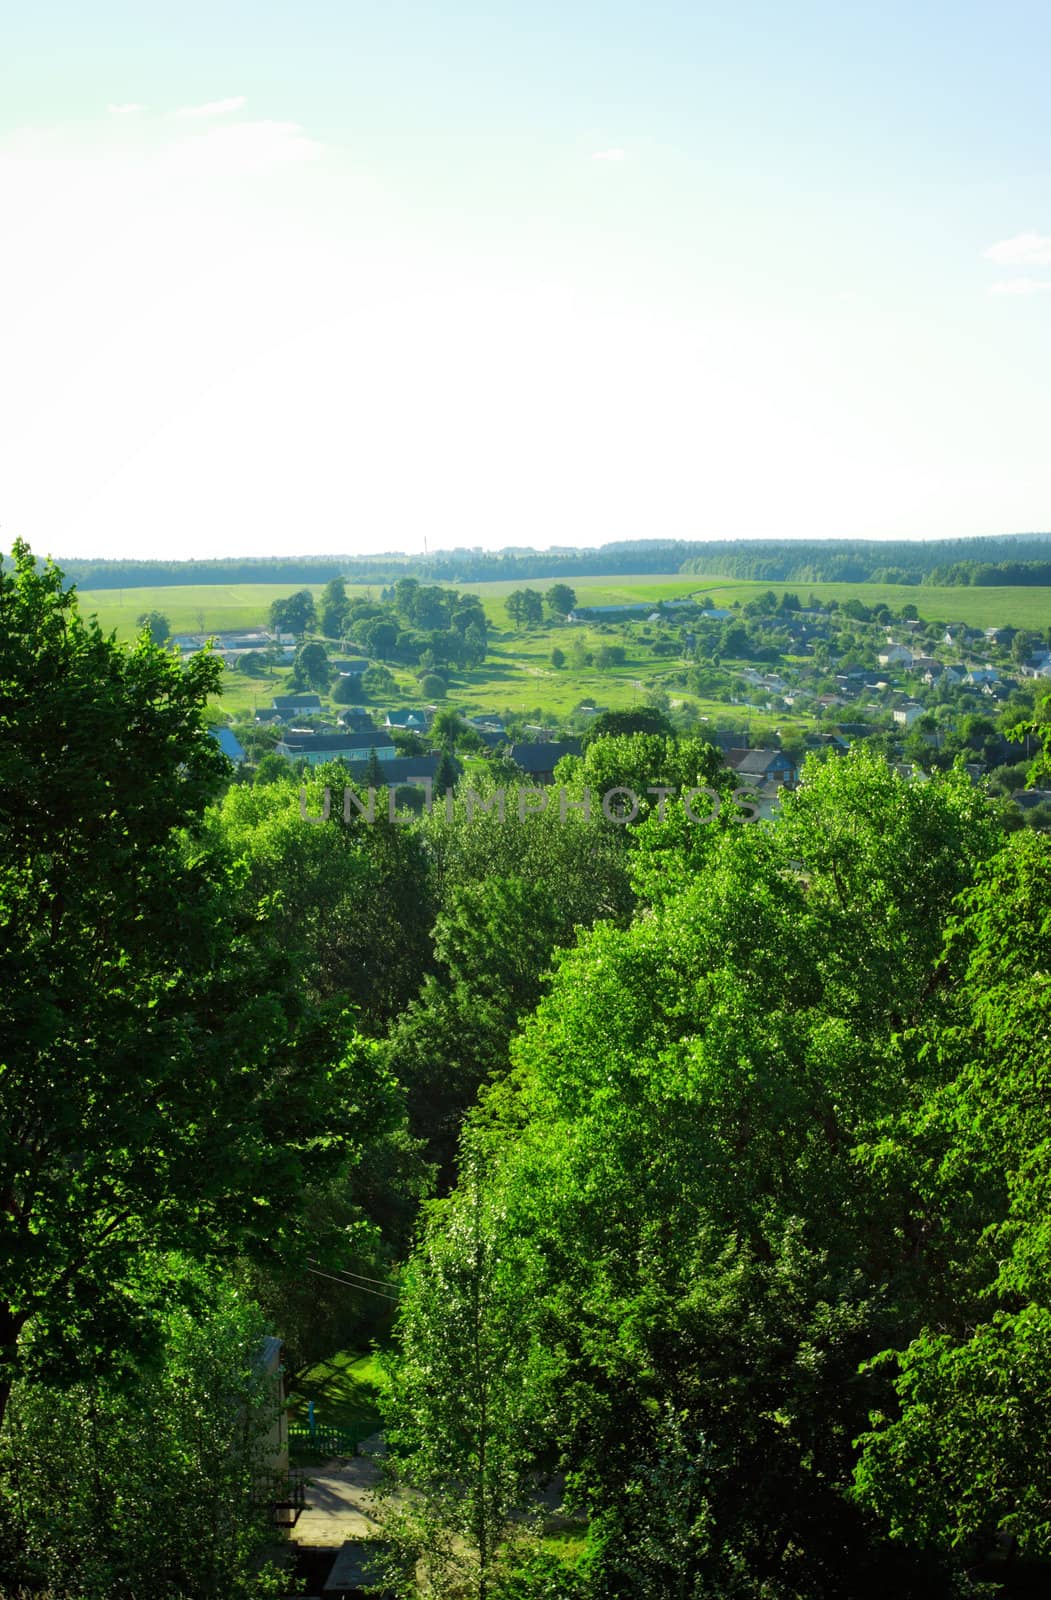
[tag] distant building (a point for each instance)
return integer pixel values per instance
(538, 761)
(297, 703)
(412, 720)
(763, 766)
(316, 748)
(229, 744)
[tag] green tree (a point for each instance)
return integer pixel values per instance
(347, 689)
(294, 614)
(956, 1459)
(692, 1140)
(333, 608)
(311, 666)
(156, 624)
(378, 682)
(465, 1382)
(560, 599)
(143, 1019)
(525, 607)
(153, 1480)
(643, 719)
(348, 901)
(379, 638)
(558, 658)
(452, 733)
(610, 655)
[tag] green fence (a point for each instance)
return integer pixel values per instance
(325, 1440)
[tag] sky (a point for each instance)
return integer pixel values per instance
(343, 276)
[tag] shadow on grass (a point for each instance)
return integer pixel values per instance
(346, 1391)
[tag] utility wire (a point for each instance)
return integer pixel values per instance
(384, 1283)
(345, 1285)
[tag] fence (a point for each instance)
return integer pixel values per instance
(326, 1440)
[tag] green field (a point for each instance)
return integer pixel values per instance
(192, 608)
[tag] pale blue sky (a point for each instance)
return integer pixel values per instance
(342, 277)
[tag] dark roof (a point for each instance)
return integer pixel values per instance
(337, 743)
(1027, 798)
(539, 758)
(296, 702)
(400, 769)
(758, 763)
(358, 718)
(720, 739)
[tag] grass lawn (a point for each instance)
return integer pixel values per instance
(568, 1544)
(345, 1389)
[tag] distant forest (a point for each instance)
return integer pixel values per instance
(1013, 559)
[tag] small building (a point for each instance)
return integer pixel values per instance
(1026, 799)
(907, 714)
(297, 704)
(415, 721)
(538, 761)
(763, 767)
(402, 772)
(316, 748)
(607, 613)
(229, 744)
(895, 655)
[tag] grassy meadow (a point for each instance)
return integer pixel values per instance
(191, 608)
(517, 676)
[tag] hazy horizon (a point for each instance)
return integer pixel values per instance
(350, 280)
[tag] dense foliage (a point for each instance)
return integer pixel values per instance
(709, 1158)
(755, 1144)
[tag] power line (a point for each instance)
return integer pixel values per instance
(343, 1283)
(384, 1283)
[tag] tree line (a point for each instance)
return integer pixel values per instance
(996, 559)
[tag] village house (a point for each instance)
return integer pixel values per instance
(763, 766)
(412, 721)
(895, 655)
(349, 746)
(297, 704)
(229, 744)
(538, 761)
